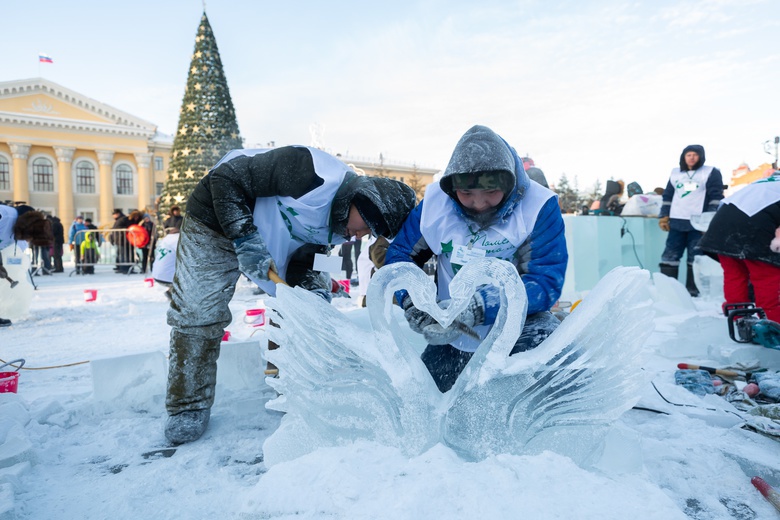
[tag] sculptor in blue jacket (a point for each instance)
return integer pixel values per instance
(484, 205)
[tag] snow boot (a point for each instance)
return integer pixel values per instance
(669, 270)
(192, 379)
(690, 282)
(187, 426)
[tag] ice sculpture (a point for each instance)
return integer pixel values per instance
(339, 383)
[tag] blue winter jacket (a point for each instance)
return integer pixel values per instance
(541, 259)
(72, 233)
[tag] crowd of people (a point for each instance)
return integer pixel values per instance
(489, 202)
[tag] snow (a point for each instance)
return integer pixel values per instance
(72, 439)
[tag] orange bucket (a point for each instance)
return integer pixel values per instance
(9, 381)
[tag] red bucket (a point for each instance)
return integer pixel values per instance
(9, 381)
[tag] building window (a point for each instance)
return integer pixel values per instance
(158, 163)
(158, 188)
(85, 177)
(5, 177)
(88, 215)
(43, 175)
(124, 180)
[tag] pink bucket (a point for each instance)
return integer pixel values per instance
(255, 317)
(345, 285)
(90, 295)
(149, 282)
(226, 335)
(9, 381)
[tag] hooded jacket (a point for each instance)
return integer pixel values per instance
(541, 258)
(610, 202)
(713, 189)
(224, 199)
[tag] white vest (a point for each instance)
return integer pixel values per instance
(165, 258)
(690, 189)
(305, 219)
(446, 232)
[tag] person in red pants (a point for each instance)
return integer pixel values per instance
(740, 235)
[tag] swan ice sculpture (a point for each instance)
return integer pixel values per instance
(339, 383)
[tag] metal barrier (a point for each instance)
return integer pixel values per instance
(112, 248)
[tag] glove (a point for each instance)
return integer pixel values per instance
(71, 247)
(338, 290)
(663, 223)
(474, 314)
(417, 319)
(317, 283)
(254, 260)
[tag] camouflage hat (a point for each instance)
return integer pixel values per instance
(495, 180)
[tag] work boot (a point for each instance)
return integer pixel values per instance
(5, 323)
(669, 270)
(187, 426)
(690, 282)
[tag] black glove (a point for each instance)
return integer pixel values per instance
(254, 260)
(417, 319)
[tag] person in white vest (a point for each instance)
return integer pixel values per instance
(19, 225)
(693, 188)
(255, 212)
(164, 265)
(484, 205)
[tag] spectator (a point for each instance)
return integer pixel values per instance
(75, 238)
(692, 189)
(174, 219)
(148, 225)
(59, 242)
(124, 250)
(21, 223)
(611, 204)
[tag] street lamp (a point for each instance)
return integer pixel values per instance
(768, 148)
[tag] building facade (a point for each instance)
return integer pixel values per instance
(66, 154)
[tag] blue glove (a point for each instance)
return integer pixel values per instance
(254, 260)
(473, 315)
(417, 319)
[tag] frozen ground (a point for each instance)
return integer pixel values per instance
(72, 441)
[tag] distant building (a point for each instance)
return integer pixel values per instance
(414, 176)
(744, 175)
(68, 154)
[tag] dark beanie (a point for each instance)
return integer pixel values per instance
(371, 215)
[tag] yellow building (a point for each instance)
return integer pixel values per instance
(414, 176)
(67, 154)
(743, 176)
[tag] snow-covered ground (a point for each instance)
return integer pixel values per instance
(73, 439)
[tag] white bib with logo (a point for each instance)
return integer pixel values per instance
(286, 223)
(456, 241)
(690, 189)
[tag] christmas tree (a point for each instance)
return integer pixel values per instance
(207, 122)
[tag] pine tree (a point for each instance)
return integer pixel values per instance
(207, 122)
(567, 197)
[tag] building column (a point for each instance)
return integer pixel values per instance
(106, 160)
(20, 152)
(143, 160)
(65, 170)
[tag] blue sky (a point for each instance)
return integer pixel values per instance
(596, 90)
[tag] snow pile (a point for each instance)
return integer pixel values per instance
(71, 453)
